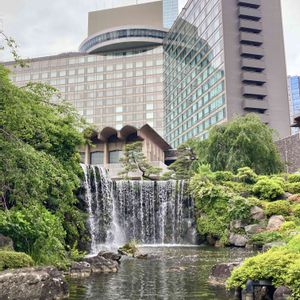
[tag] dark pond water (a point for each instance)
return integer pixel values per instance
(170, 273)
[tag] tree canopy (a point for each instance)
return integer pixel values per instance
(39, 160)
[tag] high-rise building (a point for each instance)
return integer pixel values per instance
(224, 58)
(294, 98)
(117, 76)
(170, 11)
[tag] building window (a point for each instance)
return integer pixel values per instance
(97, 158)
(114, 156)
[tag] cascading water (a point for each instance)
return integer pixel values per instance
(151, 212)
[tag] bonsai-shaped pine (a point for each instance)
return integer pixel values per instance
(134, 160)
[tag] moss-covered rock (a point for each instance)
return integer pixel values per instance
(14, 260)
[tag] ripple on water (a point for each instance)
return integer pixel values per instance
(169, 273)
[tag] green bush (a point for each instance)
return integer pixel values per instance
(294, 178)
(246, 175)
(239, 208)
(268, 189)
(223, 176)
(272, 265)
(37, 232)
(14, 260)
(262, 238)
(293, 188)
(293, 278)
(280, 207)
(288, 226)
(296, 210)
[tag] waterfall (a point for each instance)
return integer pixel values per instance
(151, 212)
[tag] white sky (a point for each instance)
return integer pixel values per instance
(44, 27)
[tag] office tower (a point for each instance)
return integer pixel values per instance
(116, 78)
(224, 58)
(294, 98)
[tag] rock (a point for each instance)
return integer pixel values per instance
(236, 224)
(252, 229)
(257, 213)
(6, 242)
(122, 252)
(275, 222)
(110, 255)
(140, 255)
(238, 240)
(294, 198)
(221, 272)
(45, 283)
(282, 293)
(286, 196)
(99, 264)
(268, 246)
(80, 269)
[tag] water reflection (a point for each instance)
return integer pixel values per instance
(169, 273)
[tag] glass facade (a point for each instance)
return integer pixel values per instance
(112, 89)
(294, 97)
(194, 82)
(122, 34)
(170, 12)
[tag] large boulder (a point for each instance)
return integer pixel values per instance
(236, 224)
(275, 222)
(110, 255)
(42, 283)
(6, 242)
(282, 293)
(221, 272)
(257, 213)
(294, 198)
(254, 228)
(80, 269)
(238, 240)
(99, 264)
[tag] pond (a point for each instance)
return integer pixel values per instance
(168, 273)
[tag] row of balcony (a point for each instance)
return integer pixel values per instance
(254, 80)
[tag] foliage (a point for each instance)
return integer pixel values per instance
(281, 265)
(294, 178)
(130, 247)
(280, 207)
(35, 231)
(239, 208)
(14, 260)
(296, 210)
(288, 226)
(267, 189)
(293, 188)
(246, 175)
(223, 175)
(188, 159)
(134, 160)
(39, 167)
(243, 142)
(262, 238)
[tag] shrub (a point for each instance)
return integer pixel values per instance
(293, 278)
(262, 238)
(288, 226)
(35, 231)
(14, 260)
(272, 265)
(223, 176)
(130, 247)
(280, 207)
(239, 208)
(246, 175)
(293, 188)
(294, 178)
(296, 210)
(267, 189)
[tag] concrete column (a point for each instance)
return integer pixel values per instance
(87, 157)
(105, 154)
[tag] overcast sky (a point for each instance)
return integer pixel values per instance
(44, 27)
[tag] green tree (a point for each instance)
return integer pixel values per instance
(243, 142)
(134, 160)
(39, 159)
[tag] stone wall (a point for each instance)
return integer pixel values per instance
(289, 149)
